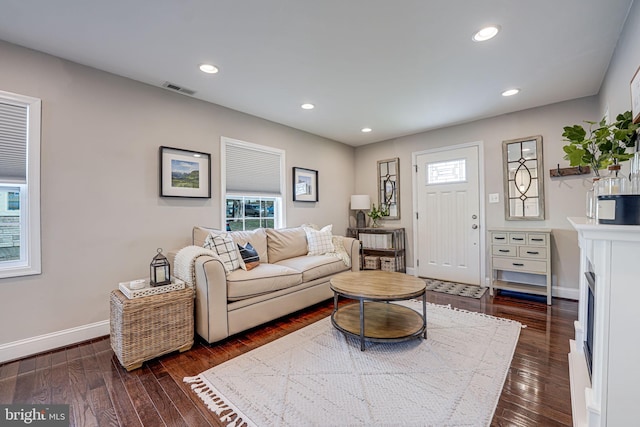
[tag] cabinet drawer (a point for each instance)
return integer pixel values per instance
(537, 239)
(504, 250)
(517, 238)
(532, 252)
(499, 238)
(520, 265)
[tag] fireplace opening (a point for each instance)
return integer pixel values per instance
(588, 343)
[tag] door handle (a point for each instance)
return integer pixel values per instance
(474, 226)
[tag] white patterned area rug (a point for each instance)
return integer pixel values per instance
(453, 288)
(317, 376)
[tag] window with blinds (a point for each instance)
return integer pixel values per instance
(253, 183)
(13, 143)
(19, 185)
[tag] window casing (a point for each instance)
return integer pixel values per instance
(19, 185)
(252, 185)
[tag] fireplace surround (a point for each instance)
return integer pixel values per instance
(608, 255)
(590, 316)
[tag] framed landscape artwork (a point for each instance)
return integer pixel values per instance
(305, 185)
(184, 173)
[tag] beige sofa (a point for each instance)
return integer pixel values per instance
(286, 280)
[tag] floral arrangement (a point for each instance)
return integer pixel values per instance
(376, 213)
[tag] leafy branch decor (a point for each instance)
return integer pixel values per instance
(375, 214)
(603, 144)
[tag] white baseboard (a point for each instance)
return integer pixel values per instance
(27, 347)
(568, 293)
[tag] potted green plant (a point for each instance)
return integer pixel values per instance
(604, 142)
(375, 214)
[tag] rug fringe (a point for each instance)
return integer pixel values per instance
(462, 310)
(216, 403)
(488, 316)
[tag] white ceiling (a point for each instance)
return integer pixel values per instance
(399, 67)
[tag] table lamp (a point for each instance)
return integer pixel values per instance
(360, 202)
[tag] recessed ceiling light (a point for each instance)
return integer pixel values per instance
(197, 155)
(366, 130)
(208, 68)
(307, 106)
(486, 33)
(510, 92)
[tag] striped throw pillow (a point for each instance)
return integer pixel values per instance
(225, 247)
(319, 242)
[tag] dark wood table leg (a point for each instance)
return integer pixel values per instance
(361, 324)
(424, 313)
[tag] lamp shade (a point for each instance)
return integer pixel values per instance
(360, 201)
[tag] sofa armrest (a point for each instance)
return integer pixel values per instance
(211, 321)
(211, 296)
(352, 246)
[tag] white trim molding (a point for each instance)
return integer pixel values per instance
(30, 346)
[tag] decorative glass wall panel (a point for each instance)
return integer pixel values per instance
(389, 187)
(523, 182)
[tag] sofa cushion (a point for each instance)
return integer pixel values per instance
(262, 279)
(226, 249)
(314, 267)
(199, 234)
(249, 258)
(319, 242)
(286, 243)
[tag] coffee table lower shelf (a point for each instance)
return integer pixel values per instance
(383, 322)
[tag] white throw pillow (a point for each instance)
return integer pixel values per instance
(226, 249)
(319, 242)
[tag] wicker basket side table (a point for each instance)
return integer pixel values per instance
(147, 327)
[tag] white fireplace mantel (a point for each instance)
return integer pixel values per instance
(609, 398)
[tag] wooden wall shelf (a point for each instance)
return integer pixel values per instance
(578, 170)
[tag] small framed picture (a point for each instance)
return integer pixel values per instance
(184, 173)
(305, 185)
(635, 96)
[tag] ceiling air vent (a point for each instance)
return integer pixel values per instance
(176, 88)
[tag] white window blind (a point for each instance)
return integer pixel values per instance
(251, 170)
(13, 143)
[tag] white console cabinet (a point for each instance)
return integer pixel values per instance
(521, 260)
(610, 397)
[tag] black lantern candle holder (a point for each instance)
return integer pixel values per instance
(160, 270)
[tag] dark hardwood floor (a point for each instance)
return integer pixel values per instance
(101, 393)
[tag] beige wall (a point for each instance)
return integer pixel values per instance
(564, 196)
(102, 219)
(615, 93)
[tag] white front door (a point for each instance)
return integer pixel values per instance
(448, 223)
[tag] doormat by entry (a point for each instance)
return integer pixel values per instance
(451, 288)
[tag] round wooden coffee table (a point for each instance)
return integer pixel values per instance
(372, 318)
